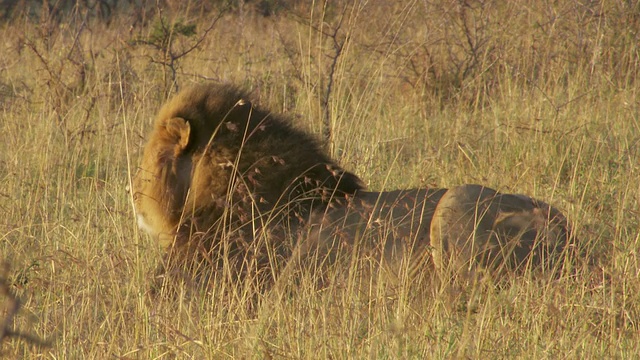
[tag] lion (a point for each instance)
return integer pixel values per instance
(230, 189)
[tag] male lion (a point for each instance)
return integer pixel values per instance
(229, 188)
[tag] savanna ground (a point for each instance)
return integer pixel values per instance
(529, 97)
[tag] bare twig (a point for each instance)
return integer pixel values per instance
(164, 45)
(338, 46)
(12, 305)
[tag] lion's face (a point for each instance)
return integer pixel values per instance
(163, 179)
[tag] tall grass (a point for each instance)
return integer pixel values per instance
(529, 98)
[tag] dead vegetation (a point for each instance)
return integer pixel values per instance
(526, 97)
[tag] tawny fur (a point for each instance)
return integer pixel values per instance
(227, 185)
(457, 231)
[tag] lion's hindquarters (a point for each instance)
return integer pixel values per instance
(476, 226)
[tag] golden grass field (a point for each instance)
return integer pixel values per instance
(539, 98)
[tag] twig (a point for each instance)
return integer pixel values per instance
(12, 305)
(338, 47)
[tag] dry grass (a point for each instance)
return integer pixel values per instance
(538, 99)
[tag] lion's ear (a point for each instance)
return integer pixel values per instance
(180, 129)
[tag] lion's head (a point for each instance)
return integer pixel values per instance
(214, 160)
